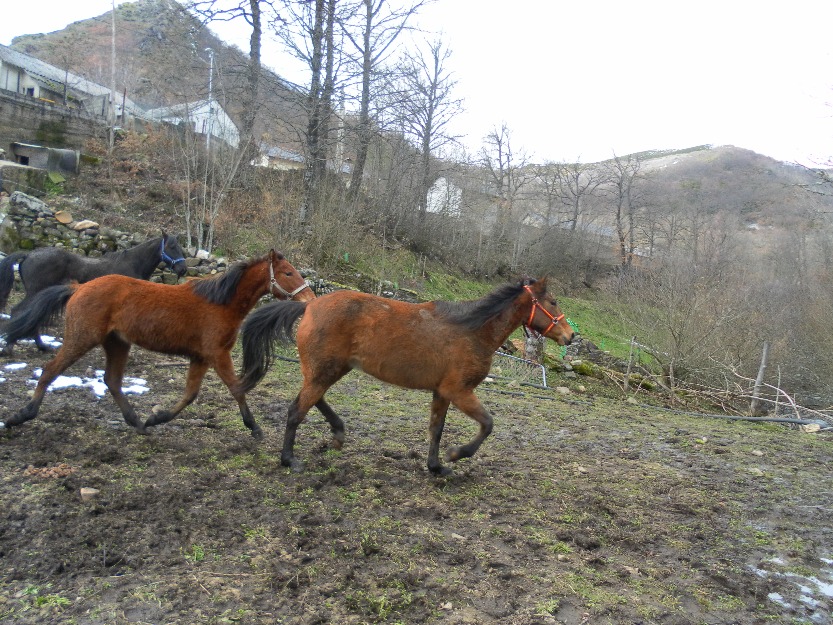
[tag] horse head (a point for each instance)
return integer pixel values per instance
(173, 255)
(285, 282)
(545, 316)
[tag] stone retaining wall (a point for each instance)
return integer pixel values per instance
(27, 223)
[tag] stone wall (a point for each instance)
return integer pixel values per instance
(27, 223)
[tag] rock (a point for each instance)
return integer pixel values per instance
(84, 225)
(88, 494)
(63, 217)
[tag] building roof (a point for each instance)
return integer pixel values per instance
(55, 77)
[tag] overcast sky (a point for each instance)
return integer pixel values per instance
(583, 80)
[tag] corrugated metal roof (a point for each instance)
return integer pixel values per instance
(55, 75)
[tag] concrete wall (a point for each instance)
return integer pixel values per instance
(33, 121)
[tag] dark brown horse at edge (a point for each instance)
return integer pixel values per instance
(199, 319)
(48, 266)
(443, 347)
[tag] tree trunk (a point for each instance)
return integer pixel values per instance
(756, 407)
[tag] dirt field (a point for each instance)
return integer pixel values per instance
(577, 509)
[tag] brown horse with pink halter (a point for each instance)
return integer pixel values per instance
(443, 347)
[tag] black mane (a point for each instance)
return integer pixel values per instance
(473, 314)
(221, 290)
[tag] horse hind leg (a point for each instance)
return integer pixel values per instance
(310, 395)
(116, 351)
(319, 375)
(66, 356)
(336, 424)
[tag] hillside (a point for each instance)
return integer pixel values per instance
(161, 60)
(760, 189)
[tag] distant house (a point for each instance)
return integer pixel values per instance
(444, 198)
(279, 158)
(52, 159)
(26, 76)
(204, 117)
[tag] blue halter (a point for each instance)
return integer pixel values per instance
(171, 261)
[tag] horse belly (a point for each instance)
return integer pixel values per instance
(401, 368)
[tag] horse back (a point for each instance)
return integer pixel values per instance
(165, 318)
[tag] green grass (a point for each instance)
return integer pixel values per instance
(597, 323)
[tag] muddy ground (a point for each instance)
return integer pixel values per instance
(578, 509)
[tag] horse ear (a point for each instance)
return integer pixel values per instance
(164, 236)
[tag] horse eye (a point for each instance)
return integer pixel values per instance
(288, 273)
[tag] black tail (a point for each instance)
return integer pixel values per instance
(268, 323)
(7, 275)
(41, 310)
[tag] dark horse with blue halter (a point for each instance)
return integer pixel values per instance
(48, 266)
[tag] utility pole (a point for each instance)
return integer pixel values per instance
(210, 103)
(113, 76)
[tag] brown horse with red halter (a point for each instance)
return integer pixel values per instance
(199, 319)
(443, 347)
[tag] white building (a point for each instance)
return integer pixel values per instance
(205, 117)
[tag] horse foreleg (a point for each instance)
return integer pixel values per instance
(116, 351)
(470, 405)
(225, 369)
(439, 408)
(196, 372)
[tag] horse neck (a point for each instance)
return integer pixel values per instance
(143, 258)
(495, 331)
(254, 284)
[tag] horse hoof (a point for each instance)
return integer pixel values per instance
(337, 444)
(453, 454)
(257, 433)
(440, 470)
(295, 465)
(142, 429)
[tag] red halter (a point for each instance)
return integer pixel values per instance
(537, 305)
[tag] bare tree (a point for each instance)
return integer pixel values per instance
(507, 173)
(310, 36)
(427, 106)
(379, 24)
(623, 176)
(251, 11)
